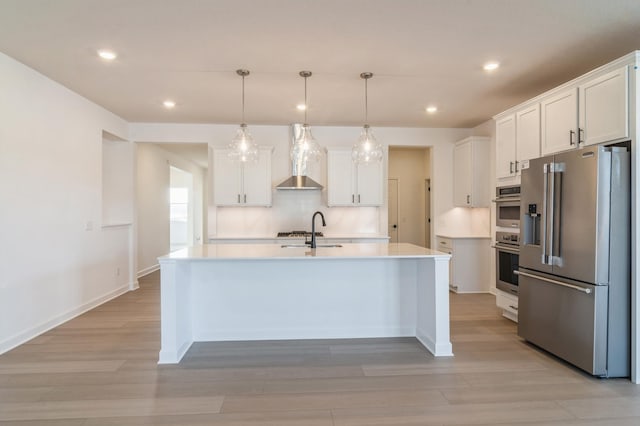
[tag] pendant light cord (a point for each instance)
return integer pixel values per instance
(366, 103)
(306, 106)
(243, 100)
(366, 76)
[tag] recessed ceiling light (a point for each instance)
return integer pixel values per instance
(490, 66)
(169, 104)
(301, 107)
(432, 109)
(107, 55)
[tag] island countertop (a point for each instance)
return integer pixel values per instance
(276, 251)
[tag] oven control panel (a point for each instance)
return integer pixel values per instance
(510, 238)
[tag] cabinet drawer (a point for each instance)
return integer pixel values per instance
(444, 243)
(507, 301)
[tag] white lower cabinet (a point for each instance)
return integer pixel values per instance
(508, 303)
(469, 267)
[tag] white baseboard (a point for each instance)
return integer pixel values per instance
(147, 271)
(17, 340)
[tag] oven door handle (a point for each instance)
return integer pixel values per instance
(515, 201)
(505, 248)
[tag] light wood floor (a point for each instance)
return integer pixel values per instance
(100, 369)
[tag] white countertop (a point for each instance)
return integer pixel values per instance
(274, 237)
(276, 252)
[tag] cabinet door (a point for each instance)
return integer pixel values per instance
(527, 136)
(369, 184)
(505, 146)
(257, 181)
(559, 122)
(462, 167)
(604, 108)
(227, 187)
(445, 245)
(340, 178)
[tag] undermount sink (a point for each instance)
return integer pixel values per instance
(307, 246)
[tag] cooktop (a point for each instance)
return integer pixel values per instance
(295, 234)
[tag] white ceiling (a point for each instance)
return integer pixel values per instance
(421, 52)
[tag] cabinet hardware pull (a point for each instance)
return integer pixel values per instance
(517, 166)
(353, 198)
(571, 137)
(468, 197)
(358, 198)
(245, 198)
(580, 135)
(515, 308)
(510, 167)
(238, 198)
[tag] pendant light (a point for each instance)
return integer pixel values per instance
(242, 148)
(305, 148)
(366, 149)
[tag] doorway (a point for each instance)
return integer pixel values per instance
(427, 213)
(409, 200)
(180, 209)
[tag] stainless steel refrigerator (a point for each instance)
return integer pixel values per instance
(574, 266)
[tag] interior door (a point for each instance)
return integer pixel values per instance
(393, 210)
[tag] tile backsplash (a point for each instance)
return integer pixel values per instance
(292, 210)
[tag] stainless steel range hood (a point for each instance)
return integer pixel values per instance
(299, 179)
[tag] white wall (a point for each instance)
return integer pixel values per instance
(152, 189)
(56, 260)
(291, 210)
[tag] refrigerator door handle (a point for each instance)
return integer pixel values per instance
(556, 168)
(552, 210)
(549, 280)
(544, 213)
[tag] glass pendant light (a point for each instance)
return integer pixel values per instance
(305, 148)
(242, 148)
(366, 149)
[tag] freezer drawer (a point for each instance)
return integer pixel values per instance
(566, 318)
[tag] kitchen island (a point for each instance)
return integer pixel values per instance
(267, 292)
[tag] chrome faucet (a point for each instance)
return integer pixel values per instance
(313, 228)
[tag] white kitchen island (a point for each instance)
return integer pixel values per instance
(267, 292)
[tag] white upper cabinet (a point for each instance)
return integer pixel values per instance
(604, 108)
(470, 172)
(517, 141)
(594, 111)
(527, 136)
(505, 146)
(242, 184)
(350, 184)
(559, 122)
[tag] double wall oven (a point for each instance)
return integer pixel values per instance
(507, 243)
